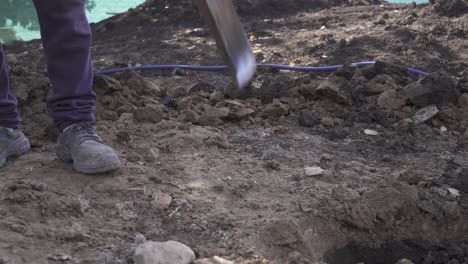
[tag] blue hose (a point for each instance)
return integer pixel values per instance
(273, 66)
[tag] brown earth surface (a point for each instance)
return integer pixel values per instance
(233, 176)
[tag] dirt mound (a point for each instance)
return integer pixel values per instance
(363, 164)
(450, 8)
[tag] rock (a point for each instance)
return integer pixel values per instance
(282, 130)
(391, 99)
(125, 212)
(106, 84)
(344, 194)
(313, 171)
(433, 90)
(108, 258)
(370, 132)
(170, 252)
(184, 103)
(243, 112)
(192, 117)
(139, 238)
(143, 86)
(148, 114)
(60, 257)
(123, 136)
(161, 200)
(411, 177)
(336, 89)
(463, 100)
(203, 87)
(126, 108)
(451, 210)
(454, 192)
(308, 118)
(449, 8)
(404, 261)
(149, 154)
(213, 260)
(216, 97)
(275, 87)
(75, 233)
(110, 115)
(275, 109)
(425, 114)
(176, 91)
(327, 122)
(212, 115)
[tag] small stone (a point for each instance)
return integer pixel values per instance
(326, 157)
(133, 157)
(404, 261)
(371, 132)
(313, 171)
(126, 108)
(176, 92)
(143, 86)
(106, 83)
(148, 114)
(403, 124)
(216, 97)
(139, 238)
(454, 192)
(213, 115)
(161, 200)
(308, 118)
(192, 117)
(60, 257)
(275, 110)
(123, 136)
(150, 154)
(391, 99)
(243, 112)
(425, 114)
(110, 115)
(336, 89)
(463, 100)
(411, 176)
(213, 260)
(280, 130)
(327, 122)
(451, 210)
(203, 87)
(170, 252)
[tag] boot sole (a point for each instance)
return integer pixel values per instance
(19, 147)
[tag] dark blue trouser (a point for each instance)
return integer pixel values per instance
(66, 37)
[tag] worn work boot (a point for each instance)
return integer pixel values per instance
(81, 144)
(12, 143)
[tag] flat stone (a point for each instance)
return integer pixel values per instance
(213, 260)
(313, 171)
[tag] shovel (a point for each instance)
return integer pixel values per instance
(231, 39)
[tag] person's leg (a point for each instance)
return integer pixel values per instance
(66, 36)
(8, 105)
(12, 140)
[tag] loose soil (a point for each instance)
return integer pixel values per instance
(225, 173)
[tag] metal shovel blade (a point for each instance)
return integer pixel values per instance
(231, 39)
